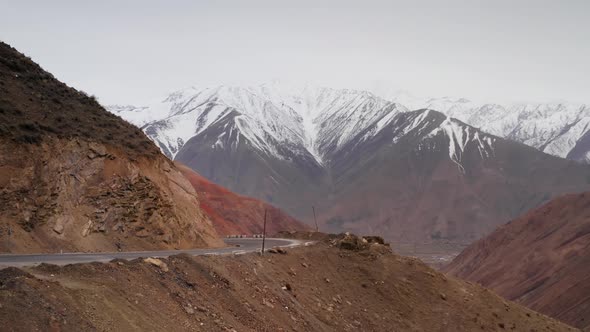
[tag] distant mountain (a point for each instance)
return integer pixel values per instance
(556, 128)
(233, 214)
(366, 164)
(311, 123)
(422, 176)
(74, 177)
(541, 260)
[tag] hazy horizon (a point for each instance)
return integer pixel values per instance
(136, 51)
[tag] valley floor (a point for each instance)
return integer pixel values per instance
(436, 255)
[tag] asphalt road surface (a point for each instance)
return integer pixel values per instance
(235, 246)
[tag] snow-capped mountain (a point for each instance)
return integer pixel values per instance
(314, 121)
(317, 121)
(371, 165)
(554, 128)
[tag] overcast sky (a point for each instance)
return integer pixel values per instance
(129, 52)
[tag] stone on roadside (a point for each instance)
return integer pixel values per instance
(156, 262)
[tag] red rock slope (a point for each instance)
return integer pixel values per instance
(541, 260)
(234, 214)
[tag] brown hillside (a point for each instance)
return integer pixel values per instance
(75, 177)
(317, 288)
(541, 260)
(233, 214)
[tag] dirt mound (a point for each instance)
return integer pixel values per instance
(317, 288)
(74, 177)
(541, 260)
(360, 243)
(234, 214)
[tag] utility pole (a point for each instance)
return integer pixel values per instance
(263, 233)
(314, 219)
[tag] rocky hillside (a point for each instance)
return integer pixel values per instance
(234, 214)
(75, 177)
(541, 260)
(317, 288)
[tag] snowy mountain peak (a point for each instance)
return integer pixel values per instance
(306, 120)
(318, 121)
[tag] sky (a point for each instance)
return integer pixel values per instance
(131, 52)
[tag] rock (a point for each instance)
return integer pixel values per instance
(117, 227)
(374, 239)
(60, 223)
(443, 296)
(98, 150)
(156, 262)
(349, 241)
(267, 303)
(58, 228)
(189, 309)
(277, 250)
(166, 167)
(304, 264)
(87, 228)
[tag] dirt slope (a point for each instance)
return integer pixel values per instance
(541, 260)
(74, 177)
(235, 214)
(316, 288)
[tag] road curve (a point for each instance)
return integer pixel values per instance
(235, 246)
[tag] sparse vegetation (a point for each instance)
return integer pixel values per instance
(34, 106)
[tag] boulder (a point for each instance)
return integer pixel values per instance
(156, 262)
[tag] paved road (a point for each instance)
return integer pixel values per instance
(235, 246)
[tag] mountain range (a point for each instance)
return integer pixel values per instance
(556, 128)
(368, 164)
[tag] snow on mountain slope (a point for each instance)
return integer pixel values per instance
(309, 121)
(320, 121)
(554, 128)
(188, 112)
(460, 135)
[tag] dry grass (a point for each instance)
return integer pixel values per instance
(34, 105)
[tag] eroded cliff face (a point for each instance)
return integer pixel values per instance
(74, 177)
(75, 195)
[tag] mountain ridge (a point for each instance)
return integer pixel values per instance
(555, 128)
